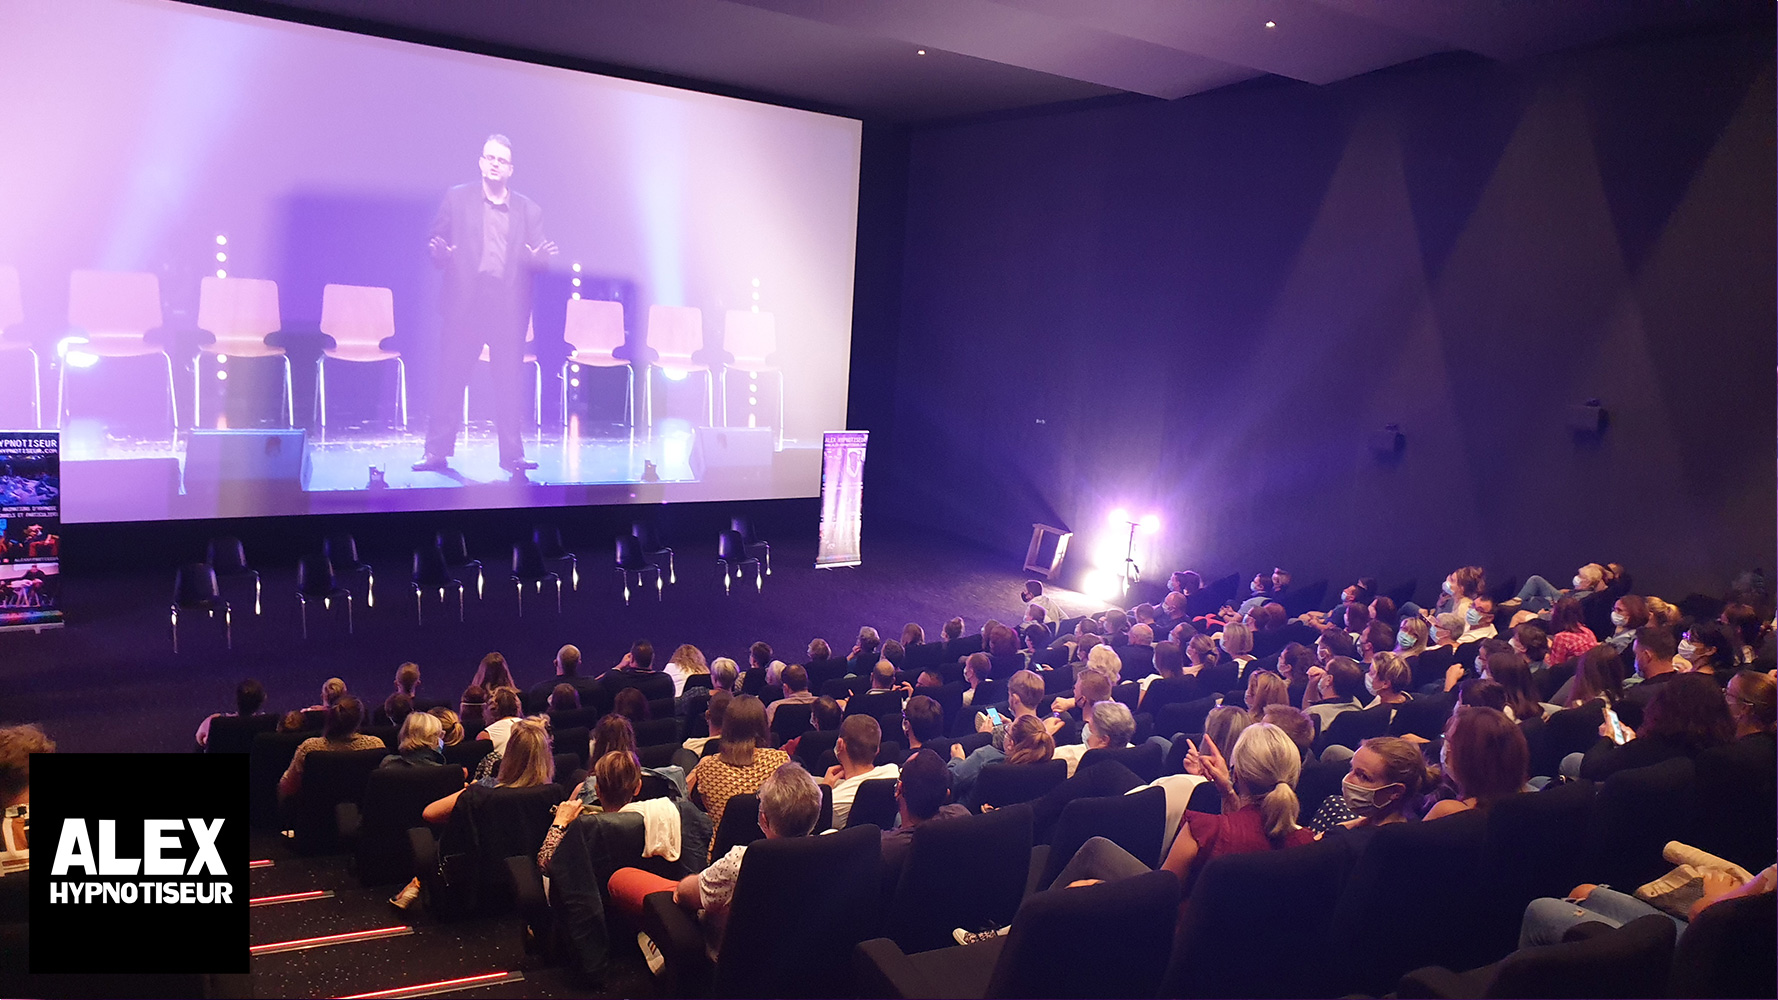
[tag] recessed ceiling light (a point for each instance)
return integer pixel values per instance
(921, 52)
(1271, 24)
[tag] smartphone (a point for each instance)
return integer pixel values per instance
(994, 718)
(1617, 728)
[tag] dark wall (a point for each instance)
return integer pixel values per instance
(1202, 307)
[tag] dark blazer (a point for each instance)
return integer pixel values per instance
(459, 222)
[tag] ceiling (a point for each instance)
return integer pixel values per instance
(861, 57)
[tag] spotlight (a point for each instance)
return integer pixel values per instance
(576, 282)
(756, 296)
(574, 368)
(220, 273)
(575, 296)
(222, 359)
(1151, 523)
(756, 282)
(752, 401)
(222, 376)
(1271, 24)
(920, 52)
(1100, 585)
(574, 383)
(1120, 516)
(577, 267)
(221, 240)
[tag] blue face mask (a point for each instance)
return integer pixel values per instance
(1472, 617)
(1370, 686)
(1404, 641)
(1448, 587)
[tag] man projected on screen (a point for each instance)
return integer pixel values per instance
(488, 239)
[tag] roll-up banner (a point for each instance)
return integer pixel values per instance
(842, 498)
(30, 530)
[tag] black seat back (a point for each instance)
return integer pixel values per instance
(392, 802)
(1143, 760)
(527, 561)
(194, 586)
(314, 576)
(791, 721)
(740, 825)
(1004, 784)
(342, 549)
(1184, 717)
(629, 554)
(827, 888)
(235, 734)
(267, 758)
(1126, 926)
(964, 872)
(730, 548)
(430, 571)
(1727, 951)
(1637, 812)
(1736, 798)
(455, 549)
(329, 777)
(1349, 729)
(549, 541)
(657, 731)
(1134, 822)
(874, 804)
(226, 555)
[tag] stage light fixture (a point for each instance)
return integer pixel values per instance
(752, 400)
(756, 282)
(574, 368)
(220, 273)
(756, 296)
(574, 383)
(222, 359)
(576, 282)
(1151, 523)
(577, 267)
(920, 52)
(1271, 24)
(221, 240)
(575, 296)
(221, 376)
(1119, 517)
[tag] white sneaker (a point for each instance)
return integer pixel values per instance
(962, 936)
(651, 953)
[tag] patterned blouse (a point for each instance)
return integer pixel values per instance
(1565, 646)
(717, 781)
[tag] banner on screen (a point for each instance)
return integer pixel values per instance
(842, 498)
(30, 530)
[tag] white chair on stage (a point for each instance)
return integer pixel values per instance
(360, 319)
(240, 313)
(752, 337)
(676, 333)
(595, 332)
(19, 379)
(115, 310)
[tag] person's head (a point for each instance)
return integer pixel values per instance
(1661, 612)
(1653, 650)
(343, 718)
(1465, 582)
(505, 704)
(1711, 647)
(613, 733)
(1105, 660)
(1028, 742)
(17, 744)
(492, 673)
(1089, 626)
(1566, 615)
(1447, 629)
(332, 690)
(1224, 725)
(929, 679)
(249, 697)
(1261, 584)
(894, 652)
(1382, 609)
(642, 654)
(1265, 766)
(924, 785)
(564, 697)
(632, 704)
(1390, 674)
(450, 726)
(1174, 604)
(1532, 641)
(1265, 688)
(1345, 677)
(1388, 775)
(795, 678)
(827, 714)
(860, 738)
(789, 802)
(568, 661)
(1689, 710)
(407, 678)
(1294, 661)
(743, 730)
(1334, 643)
(1237, 639)
(977, 667)
(1144, 615)
(882, 676)
(1116, 623)
(1752, 698)
(1002, 641)
(868, 640)
(1201, 649)
(1477, 692)
(1190, 582)
(528, 759)
(1589, 578)
(1358, 617)
(953, 629)
(1091, 686)
(716, 710)
(1600, 674)
(1480, 613)
(723, 673)
(421, 731)
(1412, 634)
(1485, 755)
(1270, 615)
(1169, 659)
(1280, 578)
(1024, 691)
(1744, 622)
(1377, 637)
(398, 707)
(1294, 722)
(922, 720)
(1486, 652)
(292, 722)
(819, 652)
(759, 656)
(1036, 636)
(1033, 588)
(1629, 613)
(1512, 671)
(617, 777)
(775, 674)
(496, 161)
(1113, 725)
(690, 660)
(911, 635)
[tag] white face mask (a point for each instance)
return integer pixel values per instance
(1577, 583)
(1619, 619)
(1688, 649)
(1363, 801)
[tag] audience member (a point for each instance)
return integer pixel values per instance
(472, 707)
(504, 711)
(563, 698)
(1259, 806)
(396, 708)
(1387, 784)
(567, 664)
(492, 673)
(338, 732)
(922, 722)
(17, 744)
(332, 690)
(1034, 596)
(1265, 688)
(1569, 635)
(860, 739)
(451, 727)
(921, 793)
(1684, 718)
(1484, 759)
(249, 698)
(421, 743)
(632, 704)
(745, 761)
(795, 681)
(723, 674)
(714, 713)
(686, 662)
(1712, 649)
(1628, 614)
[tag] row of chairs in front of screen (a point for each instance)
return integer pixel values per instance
(119, 314)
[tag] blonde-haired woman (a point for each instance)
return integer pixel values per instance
(1259, 805)
(686, 662)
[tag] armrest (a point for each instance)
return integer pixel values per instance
(687, 972)
(1435, 982)
(425, 851)
(880, 969)
(347, 819)
(527, 886)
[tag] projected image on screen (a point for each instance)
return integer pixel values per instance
(266, 268)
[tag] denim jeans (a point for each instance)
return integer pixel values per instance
(1101, 859)
(1538, 594)
(1547, 919)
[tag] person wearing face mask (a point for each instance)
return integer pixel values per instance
(1386, 784)
(1338, 689)
(1484, 759)
(1034, 595)
(1539, 594)
(1461, 587)
(1628, 614)
(1712, 649)
(1686, 717)
(1443, 636)
(1653, 650)
(1478, 619)
(1477, 665)
(1388, 680)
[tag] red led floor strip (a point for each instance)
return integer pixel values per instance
(290, 897)
(350, 937)
(267, 863)
(441, 986)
